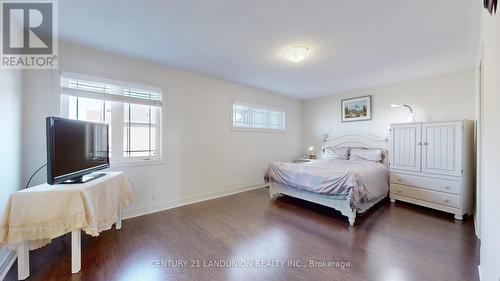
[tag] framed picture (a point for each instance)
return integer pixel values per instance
(357, 109)
(490, 5)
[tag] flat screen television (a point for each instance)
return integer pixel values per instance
(75, 149)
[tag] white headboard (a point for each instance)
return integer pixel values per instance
(366, 141)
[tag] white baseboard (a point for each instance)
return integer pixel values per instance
(7, 262)
(127, 214)
(479, 270)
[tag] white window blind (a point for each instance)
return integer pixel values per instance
(248, 116)
(133, 112)
(109, 92)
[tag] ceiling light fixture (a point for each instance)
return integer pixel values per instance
(296, 53)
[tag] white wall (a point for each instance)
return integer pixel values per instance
(10, 124)
(446, 97)
(203, 156)
(490, 181)
(39, 102)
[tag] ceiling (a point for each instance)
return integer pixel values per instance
(355, 44)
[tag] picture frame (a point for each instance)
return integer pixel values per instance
(356, 109)
(491, 6)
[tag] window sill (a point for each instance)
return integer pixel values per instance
(137, 163)
(257, 130)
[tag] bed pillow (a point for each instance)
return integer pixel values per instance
(336, 153)
(366, 154)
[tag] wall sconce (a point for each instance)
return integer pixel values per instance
(411, 115)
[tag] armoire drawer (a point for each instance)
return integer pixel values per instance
(427, 195)
(454, 187)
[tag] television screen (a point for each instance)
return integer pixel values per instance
(74, 149)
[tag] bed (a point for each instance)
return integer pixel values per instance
(349, 186)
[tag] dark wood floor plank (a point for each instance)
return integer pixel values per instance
(390, 242)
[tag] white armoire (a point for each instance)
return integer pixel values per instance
(432, 165)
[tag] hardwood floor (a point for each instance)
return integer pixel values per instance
(392, 242)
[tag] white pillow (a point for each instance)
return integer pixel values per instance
(365, 154)
(336, 153)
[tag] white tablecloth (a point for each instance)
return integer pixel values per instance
(44, 212)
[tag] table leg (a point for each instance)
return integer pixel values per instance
(76, 250)
(23, 261)
(118, 224)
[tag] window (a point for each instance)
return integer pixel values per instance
(254, 117)
(132, 112)
(139, 130)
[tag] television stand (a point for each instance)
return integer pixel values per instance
(92, 207)
(84, 179)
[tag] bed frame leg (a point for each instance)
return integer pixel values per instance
(352, 218)
(273, 193)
